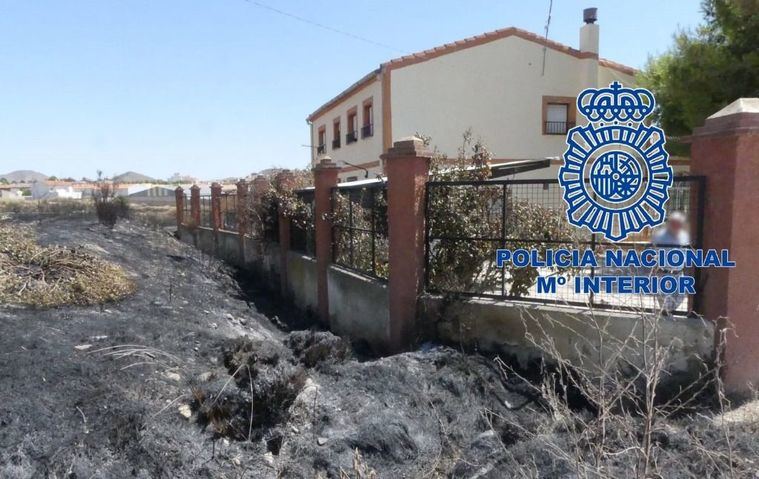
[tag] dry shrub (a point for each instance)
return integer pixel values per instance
(613, 411)
(49, 276)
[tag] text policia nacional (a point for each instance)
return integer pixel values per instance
(652, 270)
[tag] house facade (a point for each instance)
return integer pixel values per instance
(513, 89)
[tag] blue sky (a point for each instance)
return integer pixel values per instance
(218, 88)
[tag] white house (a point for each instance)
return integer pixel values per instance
(11, 193)
(514, 89)
(44, 190)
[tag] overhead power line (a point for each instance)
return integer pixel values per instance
(323, 27)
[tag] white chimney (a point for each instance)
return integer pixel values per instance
(589, 45)
(589, 31)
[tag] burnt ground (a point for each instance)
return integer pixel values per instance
(201, 375)
(70, 409)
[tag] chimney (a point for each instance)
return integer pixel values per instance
(589, 31)
(589, 46)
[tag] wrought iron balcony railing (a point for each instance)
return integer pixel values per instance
(367, 131)
(336, 143)
(558, 127)
(351, 137)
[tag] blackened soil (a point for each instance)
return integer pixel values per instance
(70, 409)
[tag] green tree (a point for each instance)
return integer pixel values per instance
(708, 68)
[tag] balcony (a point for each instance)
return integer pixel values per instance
(321, 149)
(557, 127)
(351, 137)
(367, 131)
(336, 143)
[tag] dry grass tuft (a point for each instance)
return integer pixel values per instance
(50, 276)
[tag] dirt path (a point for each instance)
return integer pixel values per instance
(69, 410)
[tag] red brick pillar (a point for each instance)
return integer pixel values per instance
(179, 196)
(726, 151)
(284, 184)
(216, 206)
(195, 204)
(259, 187)
(242, 216)
(325, 178)
(407, 166)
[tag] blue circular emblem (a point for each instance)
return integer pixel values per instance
(616, 174)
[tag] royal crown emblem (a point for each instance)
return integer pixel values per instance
(616, 172)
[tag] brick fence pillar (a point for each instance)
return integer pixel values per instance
(216, 207)
(179, 197)
(284, 183)
(325, 178)
(407, 167)
(242, 216)
(195, 204)
(726, 151)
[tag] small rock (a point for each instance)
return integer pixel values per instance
(321, 441)
(185, 411)
(242, 321)
(236, 461)
(207, 376)
(173, 376)
(214, 325)
(294, 429)
(229, 316)
(82, 347)
(269, 458)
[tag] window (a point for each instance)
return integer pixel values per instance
(367, 129)
(351, 178)
(352, 135)
(336, 134)
(321, 147)
(558, 115)
(556, 118)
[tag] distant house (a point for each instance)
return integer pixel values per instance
(156, 194)
(10, 193)
(514, 89)
(47, 190)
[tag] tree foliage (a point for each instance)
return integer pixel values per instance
(708, 68)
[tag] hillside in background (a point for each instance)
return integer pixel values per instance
(132, 177)
(27, 176)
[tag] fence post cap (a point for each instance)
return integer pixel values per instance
(195, 187)
(325, 162)
(740, 116)
(408, 146)
(178, 189)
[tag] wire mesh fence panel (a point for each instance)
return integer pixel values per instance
(359, 229)
(467, 221)
(187, 210)
(228, 205)
(302, 231)
(205, 211)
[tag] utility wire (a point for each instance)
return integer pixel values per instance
(548, 24)
(324, 27)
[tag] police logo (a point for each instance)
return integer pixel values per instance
(616, 172)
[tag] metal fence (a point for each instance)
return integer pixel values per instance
(359, 228)
(302, 231)
(205, 211)
(468, 220)
(228, 205)
(187, 210)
